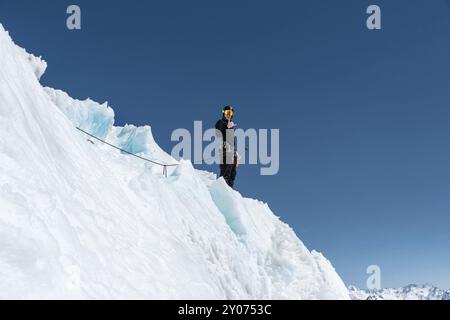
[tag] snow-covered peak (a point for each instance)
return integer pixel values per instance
(410, 292)
(446, 295)
(37, 64)
(82, 220)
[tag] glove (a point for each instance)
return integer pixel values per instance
(230, 125)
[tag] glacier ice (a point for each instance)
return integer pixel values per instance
(83, 221)
(88, 115)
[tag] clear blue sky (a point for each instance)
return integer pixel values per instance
(364, 116)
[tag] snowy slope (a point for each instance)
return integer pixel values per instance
(411, 292)
(83, 221)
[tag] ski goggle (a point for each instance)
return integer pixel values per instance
(228, 113)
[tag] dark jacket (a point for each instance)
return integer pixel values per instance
(227, 135)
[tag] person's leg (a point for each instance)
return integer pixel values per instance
(223, 164)
(233, 172)
(228, 174)
(228, 168)
(222, 169)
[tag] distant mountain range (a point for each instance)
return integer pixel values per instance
(411, 292)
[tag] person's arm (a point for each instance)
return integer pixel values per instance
(230, 124)
(222, 129)
(221, 126)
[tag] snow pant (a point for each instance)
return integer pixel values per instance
(228, 170)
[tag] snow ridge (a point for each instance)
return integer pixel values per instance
(79, 220)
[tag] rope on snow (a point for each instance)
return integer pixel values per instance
(164, 165)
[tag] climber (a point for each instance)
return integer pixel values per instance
(229, 158)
